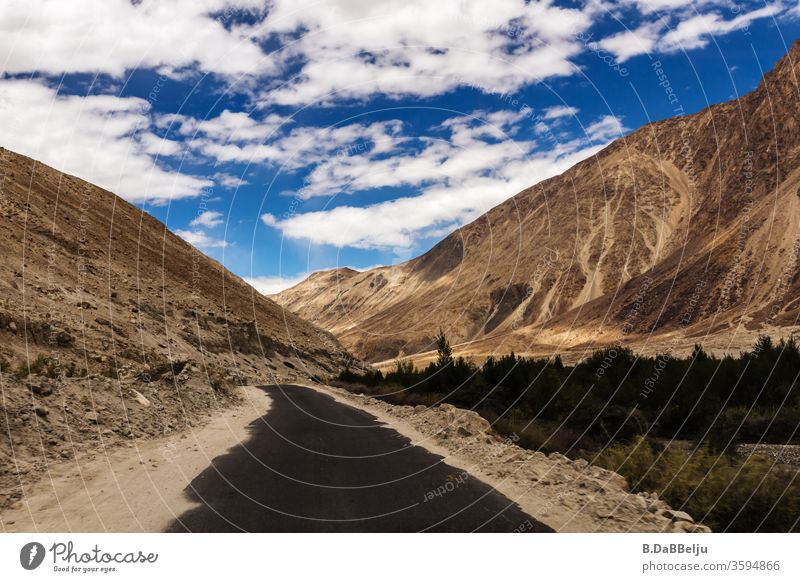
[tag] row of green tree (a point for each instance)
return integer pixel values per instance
(616, 394)
(667, 424)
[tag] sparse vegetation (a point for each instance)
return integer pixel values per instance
(728, 492)
(616, 404)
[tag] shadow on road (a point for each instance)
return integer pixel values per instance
(312, 464)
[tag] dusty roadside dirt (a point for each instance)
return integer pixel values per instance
(567, 495)
(134, 488)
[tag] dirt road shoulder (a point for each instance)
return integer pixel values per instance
(135, 488)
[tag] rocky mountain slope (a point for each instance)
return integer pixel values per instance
(112, 328)
(686, 230)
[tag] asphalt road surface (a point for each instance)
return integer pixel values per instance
(315, 465)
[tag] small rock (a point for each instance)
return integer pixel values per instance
(140, 398)
(676, 515)
(63, 338)
(12, 326)
(41, 411)
(41, 390)
(604, 514)
(92, 417)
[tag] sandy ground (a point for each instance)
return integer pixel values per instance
(139, 488)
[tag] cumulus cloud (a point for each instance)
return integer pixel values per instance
(630, 43)
(650, 6)
(270, 285)
(104, 139)
(330, 50)
(467, 182)
(234, 126)
(357, 48)
(207, 219)
(683, 25)
(560, 111)
(114, 36)
(695, 32)
(201, 239)
(229, 180)
(605, 129)
(237, 137)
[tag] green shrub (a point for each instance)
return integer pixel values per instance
(726, 492)
(40, 366)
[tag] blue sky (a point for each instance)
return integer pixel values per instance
(291, 136)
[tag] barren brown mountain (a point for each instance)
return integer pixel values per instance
(112, 328)
(685, 231)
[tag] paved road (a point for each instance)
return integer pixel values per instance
(315, 465)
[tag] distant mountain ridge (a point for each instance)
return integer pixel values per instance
(684, 229)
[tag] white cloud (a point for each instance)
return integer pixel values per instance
(208, 219)
(234, 137)
(269, 219)
(235, 126)
(477, 144)
(682, 25)
(114, 36)
(650, 6)
(605, 129)
(341, 48)
(559, 111)
(229, 180)
(400, 222)
(200, 239)
(696, 31)
(631, 43)
(357, 48)
(103, 139)
(478, 166)
(270, 285)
